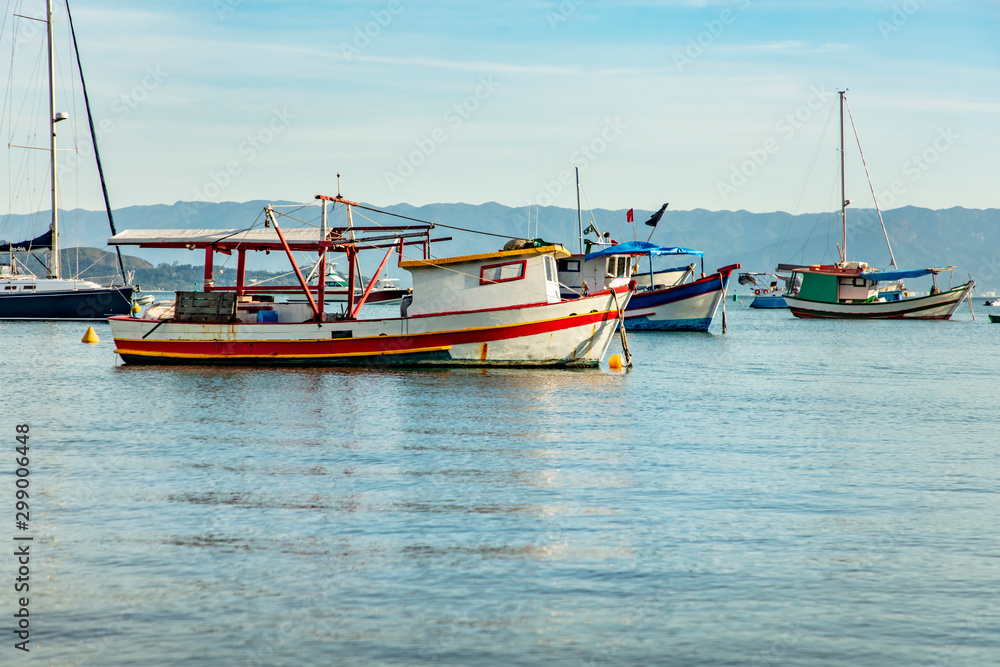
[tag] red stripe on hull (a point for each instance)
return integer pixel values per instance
(349, 347)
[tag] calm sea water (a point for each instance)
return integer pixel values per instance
(789, 493)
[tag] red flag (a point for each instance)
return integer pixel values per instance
(628, 216)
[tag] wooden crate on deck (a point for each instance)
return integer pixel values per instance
(213, 307)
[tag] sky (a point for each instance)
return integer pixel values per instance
(714, 104)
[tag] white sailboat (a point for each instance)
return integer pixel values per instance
(53, 297)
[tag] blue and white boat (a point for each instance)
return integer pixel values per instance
(684, 306)
(770, 289)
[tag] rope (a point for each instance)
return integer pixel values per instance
(621, 329)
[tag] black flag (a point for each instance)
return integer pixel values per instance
(655, 218)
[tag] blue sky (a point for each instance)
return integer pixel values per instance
(707, 104)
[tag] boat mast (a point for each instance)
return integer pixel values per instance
(54, 264)
(843, 190)
(579, 211)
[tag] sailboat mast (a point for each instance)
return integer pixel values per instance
(843, 188)
(579, 211)
(54, 264)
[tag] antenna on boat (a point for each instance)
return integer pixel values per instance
(579, 211)
(338, 183)
(843, 191)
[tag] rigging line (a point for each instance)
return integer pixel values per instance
(436, 224)
(854, 127)
(93, 137)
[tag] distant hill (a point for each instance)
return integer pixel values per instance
(966, 238)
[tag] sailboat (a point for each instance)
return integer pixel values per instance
(53, 297)
(849, 289)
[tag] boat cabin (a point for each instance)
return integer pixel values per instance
(615, 264)
(837, 284)
(478, 282)
(580, 275)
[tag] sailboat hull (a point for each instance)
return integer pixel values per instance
(83, 305)
(934, 307)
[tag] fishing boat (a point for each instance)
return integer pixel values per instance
(849, 289)
(992, 302)
(686, 306)
(666, 300)
(23, 295)
(493, 309)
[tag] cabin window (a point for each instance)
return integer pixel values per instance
(571, 265)
(501, 273)
(617, 267)
(550, 269)
(10, 287)
(854, 282)
(29, 287)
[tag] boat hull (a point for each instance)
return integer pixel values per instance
(934, 307)
(82, 305)
(687, 307)
(768, 301)
(568, 333)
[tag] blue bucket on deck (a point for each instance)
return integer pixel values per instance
(266, 316)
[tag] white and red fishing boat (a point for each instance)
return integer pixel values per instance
(494, 309)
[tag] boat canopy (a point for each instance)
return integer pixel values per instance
(641, 248)
(889, 276)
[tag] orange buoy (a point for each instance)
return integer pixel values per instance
(615, 362)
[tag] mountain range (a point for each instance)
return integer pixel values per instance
(968, 239)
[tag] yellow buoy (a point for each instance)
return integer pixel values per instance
(90, 336)
(615, 362)
(136, 308)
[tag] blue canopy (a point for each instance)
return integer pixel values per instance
(641, 248)
(889, 276)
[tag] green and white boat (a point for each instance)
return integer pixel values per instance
(850, 290)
